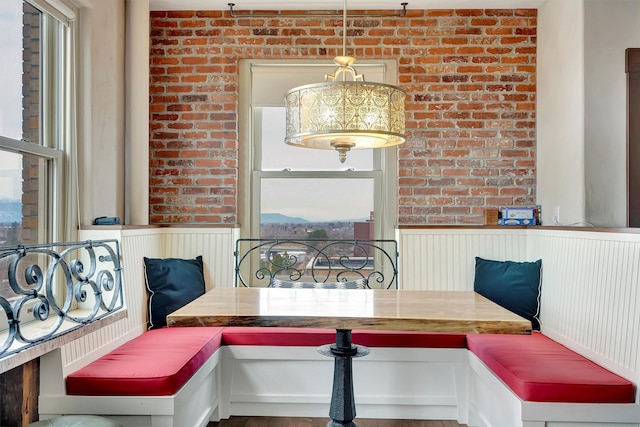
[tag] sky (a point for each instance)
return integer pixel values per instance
(11, 69)
(10, 93)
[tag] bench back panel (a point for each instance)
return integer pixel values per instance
(444, 258)
(590, 294)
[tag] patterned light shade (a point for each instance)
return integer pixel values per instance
(345, 115)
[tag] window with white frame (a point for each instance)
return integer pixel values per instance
(36, 48)
(291, 192)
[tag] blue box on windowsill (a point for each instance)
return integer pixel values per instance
(520, 216)
(516, 221)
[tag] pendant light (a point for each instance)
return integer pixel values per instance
(341, 114)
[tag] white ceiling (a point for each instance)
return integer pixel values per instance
(241, 5)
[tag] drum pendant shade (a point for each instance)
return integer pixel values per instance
(345, 114)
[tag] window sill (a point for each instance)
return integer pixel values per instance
(69, 332)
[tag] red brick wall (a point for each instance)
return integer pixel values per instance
(31, 105)
(471, 88)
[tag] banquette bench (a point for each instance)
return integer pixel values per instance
(187, 376)
(555, 378)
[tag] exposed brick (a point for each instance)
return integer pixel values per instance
(484, 22)
(469, 31)
(455, 191)
(469, 50)
(455, 59)
(454, 22)
(440, 31)
(468, 12)
(469, 75)
(455, 40)
(456, 210)
(499, 31)
(442, 12)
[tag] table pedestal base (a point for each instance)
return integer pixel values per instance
(343, 405)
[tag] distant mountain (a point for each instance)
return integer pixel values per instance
(276, 218)
(10, 211)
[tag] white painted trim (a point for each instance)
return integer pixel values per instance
(337, 5)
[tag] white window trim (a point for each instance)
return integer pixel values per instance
(57, 126)
(56, 8)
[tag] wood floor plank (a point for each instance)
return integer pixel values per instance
(322, 422)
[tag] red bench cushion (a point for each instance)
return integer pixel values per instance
(257, 335)
(239, 335)
(156, 363)
(539, 369)
(410, 339)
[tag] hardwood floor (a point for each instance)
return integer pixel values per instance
(322, 422)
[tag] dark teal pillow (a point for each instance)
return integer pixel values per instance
(171, 284)
(513, 285)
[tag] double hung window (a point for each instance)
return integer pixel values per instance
(36, 50)
(290, 192)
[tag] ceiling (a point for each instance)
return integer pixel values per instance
(241, 5)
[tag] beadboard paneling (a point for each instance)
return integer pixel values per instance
(444, 259)
(590, 297)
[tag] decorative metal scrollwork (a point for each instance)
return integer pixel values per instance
(51, 289)
(259, 261)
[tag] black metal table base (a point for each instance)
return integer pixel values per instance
(343, 405)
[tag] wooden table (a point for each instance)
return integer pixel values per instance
(344, 310)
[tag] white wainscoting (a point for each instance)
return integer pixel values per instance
(444, 258)
(590, 294)
(216, 245)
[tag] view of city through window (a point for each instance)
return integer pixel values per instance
(10, 197)
(306, 193)
(278, 226)
(308, 202)
(22, 174)
(324, 217)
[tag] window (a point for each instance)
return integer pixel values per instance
(292, 192)
(34, 107)
(35, 46)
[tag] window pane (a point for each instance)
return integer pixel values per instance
(276, 155)
(20, 25)
(23, 208)
(23, 201)
(10, 198)
(296, 207)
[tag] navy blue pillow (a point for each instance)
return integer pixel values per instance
(513, 285)
(171, 284)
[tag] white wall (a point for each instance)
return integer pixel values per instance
(137, 104)
(610, 28)
(560, 111)
(101, 108)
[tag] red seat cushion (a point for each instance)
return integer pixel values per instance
(156, 363)
(539, 369)
(257, 335)
(409, 339)
(239, 335)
